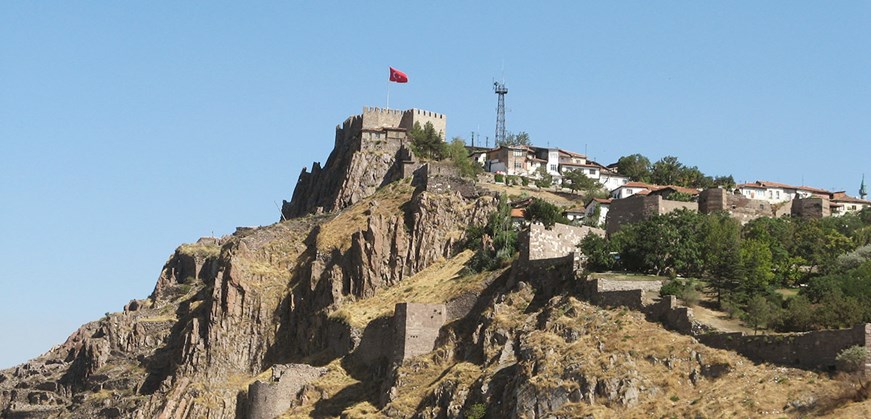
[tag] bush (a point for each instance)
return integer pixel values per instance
(685, 289)
(476, 411)
(852, 359)
(498, 178)
(457, 153)
(426, 142)
(545, 213)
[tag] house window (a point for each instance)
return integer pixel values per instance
(517, 165)
(553, 168)
(518, 153)
(778, 194)
(592, 171)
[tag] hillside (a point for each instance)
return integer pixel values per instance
(368, 308)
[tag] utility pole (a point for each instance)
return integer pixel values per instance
(501, 91)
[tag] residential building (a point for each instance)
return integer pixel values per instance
(600, 206)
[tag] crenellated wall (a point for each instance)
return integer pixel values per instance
(638, 208)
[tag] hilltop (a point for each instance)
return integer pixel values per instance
(387, 290)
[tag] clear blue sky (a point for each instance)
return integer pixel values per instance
(128, 128)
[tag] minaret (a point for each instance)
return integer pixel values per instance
(862, 191)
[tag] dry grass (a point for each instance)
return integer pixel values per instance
(436, 284)
(518, 191)
(336, 386)
(336, 233)
(628, 276)
(202, 250)
(631, 343)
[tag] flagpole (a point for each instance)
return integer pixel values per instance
(388, 94)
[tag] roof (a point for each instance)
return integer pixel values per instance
(851, 199)
(603, 201)
(577, 164)
(518, 213)
(764, 184)
(654, 188)
(572, 153)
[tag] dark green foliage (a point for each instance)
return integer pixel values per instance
(545, 179)
(457, 153)
(685, 289)
(662, 244)
(759, 311)
(636, 166)
(545, 212)
(496, 243)
(498, 178)
(598, 251)
(798, 315)
(476, 411)
(521, 138)
(576, 180)
(426, 142)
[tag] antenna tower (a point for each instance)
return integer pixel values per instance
(501, 91)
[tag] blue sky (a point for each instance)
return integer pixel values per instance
(127, 128)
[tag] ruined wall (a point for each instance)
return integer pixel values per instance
(815, 207)
(539, 243)
(805, 350)
(737, 206)
(416, 328)
(268, 400)
(673, 315)
(440, 177)
(615, 293)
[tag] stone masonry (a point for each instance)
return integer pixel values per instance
(416, 328)
(816, 207)
(268, 400)
(639, 208)
(538, 243)
(737, 206)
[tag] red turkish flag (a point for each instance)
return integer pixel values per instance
(398, 76)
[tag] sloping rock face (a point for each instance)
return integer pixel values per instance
(354, 170)
(225, 310)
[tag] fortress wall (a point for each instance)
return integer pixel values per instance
(416, 328)
(811, 207)
(439, 121)
(269, 399)
(539, 243)
(806, 350)
(737, 206)
(374, 118)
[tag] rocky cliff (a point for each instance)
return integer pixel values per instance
(297, 318)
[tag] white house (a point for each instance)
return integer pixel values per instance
(601, 205)
(774, 192)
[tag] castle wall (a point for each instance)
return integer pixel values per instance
(438, 121)
(441, 177)
(806, 350)
(737, 206)
(539, 243)
(374, 118)
(416, 328)
(638, 208)
(268, 400)
(815, 207)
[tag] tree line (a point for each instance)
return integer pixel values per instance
(828, 259)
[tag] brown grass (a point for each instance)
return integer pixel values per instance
(436, 284)
(517, 191)
(336, 233)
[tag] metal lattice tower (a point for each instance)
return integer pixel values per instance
(500, 90)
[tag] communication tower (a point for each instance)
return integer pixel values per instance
(501, 91)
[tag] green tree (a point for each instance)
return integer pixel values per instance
(853, 360)
(597, 250)
(545, 179)
(456, 151)
(756, 260)
(521, 138)
(798, 316)
(759, 312)
(722, 252)
(667, 171)
(576, 180)
(544, 212)
(426, 142)
(635, 166)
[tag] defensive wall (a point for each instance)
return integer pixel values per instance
(638, 208)
(808, 350)
(538, 243)
(416, 328)
(269, 399)
(440, 177)
(815, 207)
(737, 206)
(375, 118)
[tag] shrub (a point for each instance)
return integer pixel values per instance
(498, 178)
(545, 213)
(476, 411)
(684, 289)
